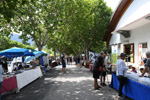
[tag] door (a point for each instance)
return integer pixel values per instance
(129, 50)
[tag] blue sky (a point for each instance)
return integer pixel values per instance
(15, 37)
(111, 3)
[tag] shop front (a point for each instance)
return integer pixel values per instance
(129, 50)
(133, 40)
(129, 32)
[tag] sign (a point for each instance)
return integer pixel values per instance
(142, 49)
(114, 49)
(114, 55)
(139, 53)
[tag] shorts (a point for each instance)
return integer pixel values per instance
(103, 73)
(64, 65)
(78, 62)
(96, 74)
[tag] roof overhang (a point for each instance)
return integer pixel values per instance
(116, 18)
(135, 24)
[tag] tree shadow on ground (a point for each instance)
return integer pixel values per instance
(77, 84)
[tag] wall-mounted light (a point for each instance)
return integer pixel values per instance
(125, 33)
(147, 17)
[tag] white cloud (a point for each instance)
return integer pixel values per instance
(17, 33)
(112, 3)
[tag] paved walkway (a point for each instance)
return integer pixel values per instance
(76, 84)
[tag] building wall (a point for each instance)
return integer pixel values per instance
(138, 35)
(115, 39)
(138, 9)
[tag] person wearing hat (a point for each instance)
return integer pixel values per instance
(134, 69)
(121, 69)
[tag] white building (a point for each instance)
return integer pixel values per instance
(129, 29)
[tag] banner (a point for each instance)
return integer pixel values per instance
(114, 49)
(114, 54)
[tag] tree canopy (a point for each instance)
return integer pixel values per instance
(70, 26)
(6, 43)
(86, 28)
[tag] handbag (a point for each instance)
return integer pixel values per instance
(100, 69)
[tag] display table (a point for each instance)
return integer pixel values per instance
(9, 84)
(91, 67)
(27, 77)
(132, 89)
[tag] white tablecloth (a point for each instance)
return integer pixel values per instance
(27, 77)
(135, 77)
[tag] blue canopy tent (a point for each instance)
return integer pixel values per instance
(36, 53)
(16, 52)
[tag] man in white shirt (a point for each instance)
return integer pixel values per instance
(92, 60)
(121, 69)
(1, 77)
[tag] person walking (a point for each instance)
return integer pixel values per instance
(1, 77)
(63, 63)
(75, 59)
(78, 60)
(99, 62)
(71, 60)
(121, 69)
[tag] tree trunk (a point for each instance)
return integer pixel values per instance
(60, 55)
(54, 53)
(40, 48)
(87, 53)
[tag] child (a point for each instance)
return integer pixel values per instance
(133, 70)
(146, 74)
(141, 70)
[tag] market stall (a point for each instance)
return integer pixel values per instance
(36, 53)
(14, 53)
(20, 76)
(135, 87)
(9, 84)
(27, 77)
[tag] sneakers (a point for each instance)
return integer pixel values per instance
(99, 87)
(96, 89)
(103, 84)
(121, 97)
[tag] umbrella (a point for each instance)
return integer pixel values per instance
(16, 52)
(36, 53)
(51, 55)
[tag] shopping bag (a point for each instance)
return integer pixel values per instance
(100, 69)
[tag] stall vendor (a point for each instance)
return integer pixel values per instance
(5, 66)
(37, 62)
(121, 69)
(147, 65)
(146, 73)
(133, 69)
